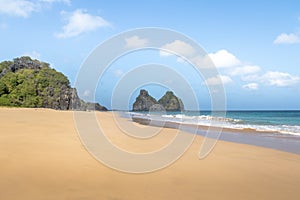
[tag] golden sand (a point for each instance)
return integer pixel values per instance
(41, 157)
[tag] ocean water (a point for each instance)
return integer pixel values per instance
(275, 122)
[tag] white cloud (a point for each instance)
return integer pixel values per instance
(33, 55)
(219, 59)
(274, 78)
(80, 22)
(118, 72)
(202, 61)
(68, 2)
(223, 58)
(20, 8)
(218, 80)
(181, 60)
(287, 39)
(247, 69)
(280, 79)
(135, 42)
(23, 8)
(177, 47)
(251, 86)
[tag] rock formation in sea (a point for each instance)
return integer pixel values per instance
(144, 101)
(169, 102)
(25, 82)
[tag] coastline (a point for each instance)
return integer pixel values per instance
(269, 139)
(41, 157)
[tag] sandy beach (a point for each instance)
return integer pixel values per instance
(42, 157)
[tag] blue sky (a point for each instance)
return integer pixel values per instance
(254, 44)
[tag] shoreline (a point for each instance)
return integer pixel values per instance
(144, 116)
(268, 139)
(274, 140)
(42, 156)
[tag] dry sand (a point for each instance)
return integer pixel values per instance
(41, 157)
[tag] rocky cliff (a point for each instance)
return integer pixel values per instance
(169, 102)
(31, 83)
(144, 101)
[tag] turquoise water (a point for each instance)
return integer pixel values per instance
(260, 117)
(284, 122)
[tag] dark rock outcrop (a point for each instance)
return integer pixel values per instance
(169, 102)
(24, 62)
(144, 102)
(92, 106)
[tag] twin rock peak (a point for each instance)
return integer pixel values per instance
(169, 102)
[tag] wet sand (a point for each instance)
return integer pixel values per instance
(42, 157)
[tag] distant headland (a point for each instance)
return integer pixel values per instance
(25, 82)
